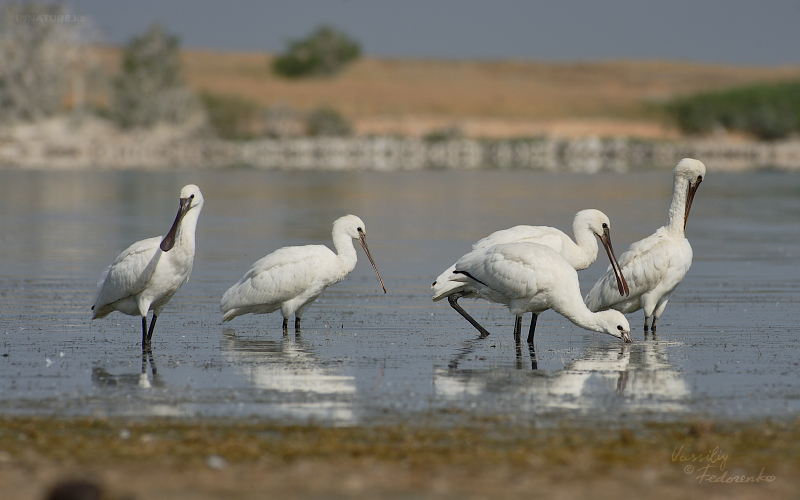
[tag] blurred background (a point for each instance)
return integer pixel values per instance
(138, 77)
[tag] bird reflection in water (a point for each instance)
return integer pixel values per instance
(103, 378)
(631, 377)
(469, 347)
(295, 379)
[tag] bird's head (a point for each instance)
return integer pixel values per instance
(191, 199)
(616, 324)
(693, 172)
(354, 227)
(351, 225)
(193, 196)
(598, 223)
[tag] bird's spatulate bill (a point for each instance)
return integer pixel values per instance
(612, 257)
(169, 240)
(363, 240)
(689, 199)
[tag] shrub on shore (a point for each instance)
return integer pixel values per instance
(766, 111)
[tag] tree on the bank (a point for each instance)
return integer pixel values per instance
(37, 48)
(150, 89)
(324, 52)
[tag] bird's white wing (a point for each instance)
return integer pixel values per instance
(447, 284)
(543, 235)
(129, 274)
(510, 270)
(278, 277)
(648, 263)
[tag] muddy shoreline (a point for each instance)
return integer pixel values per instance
(170, 458)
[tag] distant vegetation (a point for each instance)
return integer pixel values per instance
(767, 111)
(231, 117)
(327, 122)
(237, 118)
(36, 58)
(149, 89)
(324, 52)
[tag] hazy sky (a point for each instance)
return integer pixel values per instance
(725, 31)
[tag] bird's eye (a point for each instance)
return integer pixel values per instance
(699, 178)
(619, 327)
(605, 226)
(191, 196)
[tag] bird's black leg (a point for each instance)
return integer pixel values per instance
(646, 324)
(152, 361)
(296, 325)
(152, 325)
(531, 330)
(285, 325)
(144, 360)
(517, 329)
(147, 355)
(144, 332)
(453, 299)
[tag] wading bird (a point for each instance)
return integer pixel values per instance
(529, 277)
(148, 273)
(291, 278)
(580, 254)
(654, 266)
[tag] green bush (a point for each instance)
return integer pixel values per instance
(326, 122)
(767, 111)
(323, 53)
(231, 117)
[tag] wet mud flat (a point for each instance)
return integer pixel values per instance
(393, 395)
(173, 459)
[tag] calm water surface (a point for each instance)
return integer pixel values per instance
(727, 346)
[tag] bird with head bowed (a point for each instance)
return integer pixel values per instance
(578, 255)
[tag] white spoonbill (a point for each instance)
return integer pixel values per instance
(580, 254)
(655, 265)
(291, 278)
(529, 277)
(148, 273)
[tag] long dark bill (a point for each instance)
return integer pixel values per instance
(169, 240)
(689, 199)
(612, 257)
(362, 238)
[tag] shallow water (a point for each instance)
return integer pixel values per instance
(727, 345)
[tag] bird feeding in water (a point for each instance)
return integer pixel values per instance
(654, 266)
(147, 274)
(579, 254)
(529, 277)
(291, 278)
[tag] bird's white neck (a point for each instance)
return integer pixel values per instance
(677, 207)
(584, 318)
(577, 312)
(184, 238)
(345, 250)
(584, 253)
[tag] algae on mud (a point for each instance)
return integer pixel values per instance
(167, 458)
